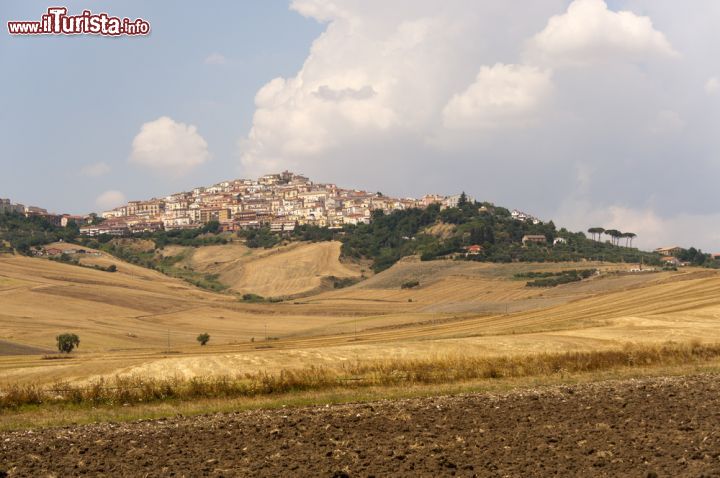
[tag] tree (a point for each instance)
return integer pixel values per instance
(463, 200)
(95, 219)
(203, 338)
(630, 236)
(67, 342)
(596, 231)
(614, 235)
(211, 227)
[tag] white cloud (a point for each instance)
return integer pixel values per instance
(382, 72)
(400, 96)
(666, 122)
(712, 86)
(216, 59)
(110, 199)
(590, 32)
(168, 146)
(501, 94)
(95, 169)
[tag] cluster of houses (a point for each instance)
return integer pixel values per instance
(669, 256)
(541, 239)
(280, 201)
(62, 220)
(56, 251)
(523, 216)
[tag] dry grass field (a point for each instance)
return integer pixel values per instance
(282, 271)
(139, 322)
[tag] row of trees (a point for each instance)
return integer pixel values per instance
(615, 235)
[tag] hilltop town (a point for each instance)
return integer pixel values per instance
(280, 201)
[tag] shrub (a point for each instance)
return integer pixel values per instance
(252, 298)
(552, 279)
(410, 284)
(203, 338)
(342, 282)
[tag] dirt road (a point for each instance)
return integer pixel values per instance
(641, 428)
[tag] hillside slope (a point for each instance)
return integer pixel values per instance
(476, 287)
(298, 268)
(126, 319)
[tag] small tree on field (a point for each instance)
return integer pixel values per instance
(203, 338)
(67, 342)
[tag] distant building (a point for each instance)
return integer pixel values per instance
(671, 261)
(6, 206)
(524, 217)
(669, 251)
(66, 219)
(109, 228)
(282, 226)
(453, 201)
(473, 250)
(534, 239)
(559, 240)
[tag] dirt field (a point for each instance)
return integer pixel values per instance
(659, 427)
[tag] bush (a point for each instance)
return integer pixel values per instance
(203, 338)
(342, 282)
(253, 298)
(67, 342)
(552, 279)
(410, 284)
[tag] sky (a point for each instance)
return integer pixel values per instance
(586, 112)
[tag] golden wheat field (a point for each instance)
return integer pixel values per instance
(138, 321)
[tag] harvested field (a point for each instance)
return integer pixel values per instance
(645, 427)
(281, 271)
(128, 320)
(293, 270)
(10, 348)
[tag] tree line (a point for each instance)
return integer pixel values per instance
(615, 235)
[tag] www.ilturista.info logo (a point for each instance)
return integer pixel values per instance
(57, 22)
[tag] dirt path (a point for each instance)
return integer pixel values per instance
(640, 428)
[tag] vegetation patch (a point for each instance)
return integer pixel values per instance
(392, 372)
(253, 298)
(342, 282)
(21, 233)
(552, 279)
(411, 284)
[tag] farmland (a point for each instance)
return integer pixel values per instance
(140, 322)
(636, 427)
(415, 332)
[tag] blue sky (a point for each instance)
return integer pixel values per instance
(68, 102)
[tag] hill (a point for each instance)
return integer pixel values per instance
(125, 319)
(290, 270)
